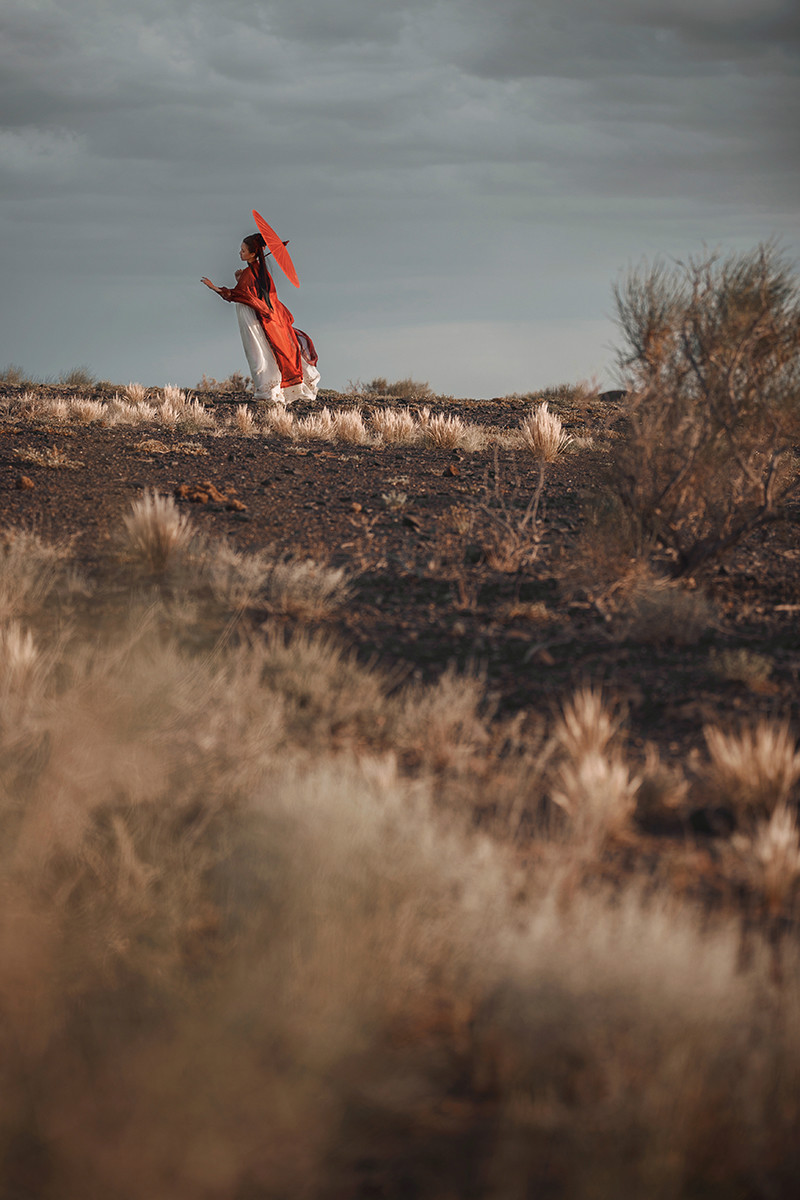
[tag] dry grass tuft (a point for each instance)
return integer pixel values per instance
(393, 426)
(592, 784)
(51, 457)
(135, 393)
(442, 431)
(587, 725)
(348, 427)
(772, 856)
(741, 665)
(754, 771)
(278, 419)
(304, 588)
(156, 533)
(442, 726)
(316, 425)
(186, 416)
(243, 421)
(598, 793)
(119, 412)
(33, 573)
(543, 434)
(659, 610)
(243, 889)
(173, 395)
(88, 412)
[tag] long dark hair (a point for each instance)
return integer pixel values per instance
(256, 244)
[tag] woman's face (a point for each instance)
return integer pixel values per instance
(245, 253)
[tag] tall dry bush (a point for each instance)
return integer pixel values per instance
(711, 361)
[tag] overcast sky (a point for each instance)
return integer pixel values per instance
(461, 181)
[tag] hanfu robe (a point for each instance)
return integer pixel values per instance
(282, 359)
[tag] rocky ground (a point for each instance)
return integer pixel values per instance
(443, 570)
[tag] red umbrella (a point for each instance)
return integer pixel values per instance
(277, 248)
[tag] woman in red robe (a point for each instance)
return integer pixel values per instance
(282, 359)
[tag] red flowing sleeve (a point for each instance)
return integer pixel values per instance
(246, 292)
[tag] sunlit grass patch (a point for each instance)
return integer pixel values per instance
(156, 532)
(51, 457)
(753, 771)
(393, 426)
(304, 588)
(33, 572)
(543, 433)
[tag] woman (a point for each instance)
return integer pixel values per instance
(282, 359)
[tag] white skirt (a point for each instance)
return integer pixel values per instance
(263, 366)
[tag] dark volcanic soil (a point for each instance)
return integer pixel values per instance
(424, 595)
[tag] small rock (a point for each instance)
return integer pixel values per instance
(355, 507)
(452, 469)
(24, 483)
(236, 506)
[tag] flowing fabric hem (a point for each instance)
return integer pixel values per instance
(264, 368)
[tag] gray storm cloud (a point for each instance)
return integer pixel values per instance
(434, 166)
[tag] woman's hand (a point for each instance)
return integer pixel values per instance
(238, 274)
(209, 284)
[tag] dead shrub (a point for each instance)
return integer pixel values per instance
(235, 382)
(711, 361)
(410, 390)
(13, 375)
(80, 377)
(510, 536)
(605, 554)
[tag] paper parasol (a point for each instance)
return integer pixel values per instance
(276, 248)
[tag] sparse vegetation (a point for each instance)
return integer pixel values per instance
(236, 382)
(659, 610)
(756, 770)
(711, 359)
(380, 815)
(267, 842)
(543, 434)
(79, 377)
(51, 457)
